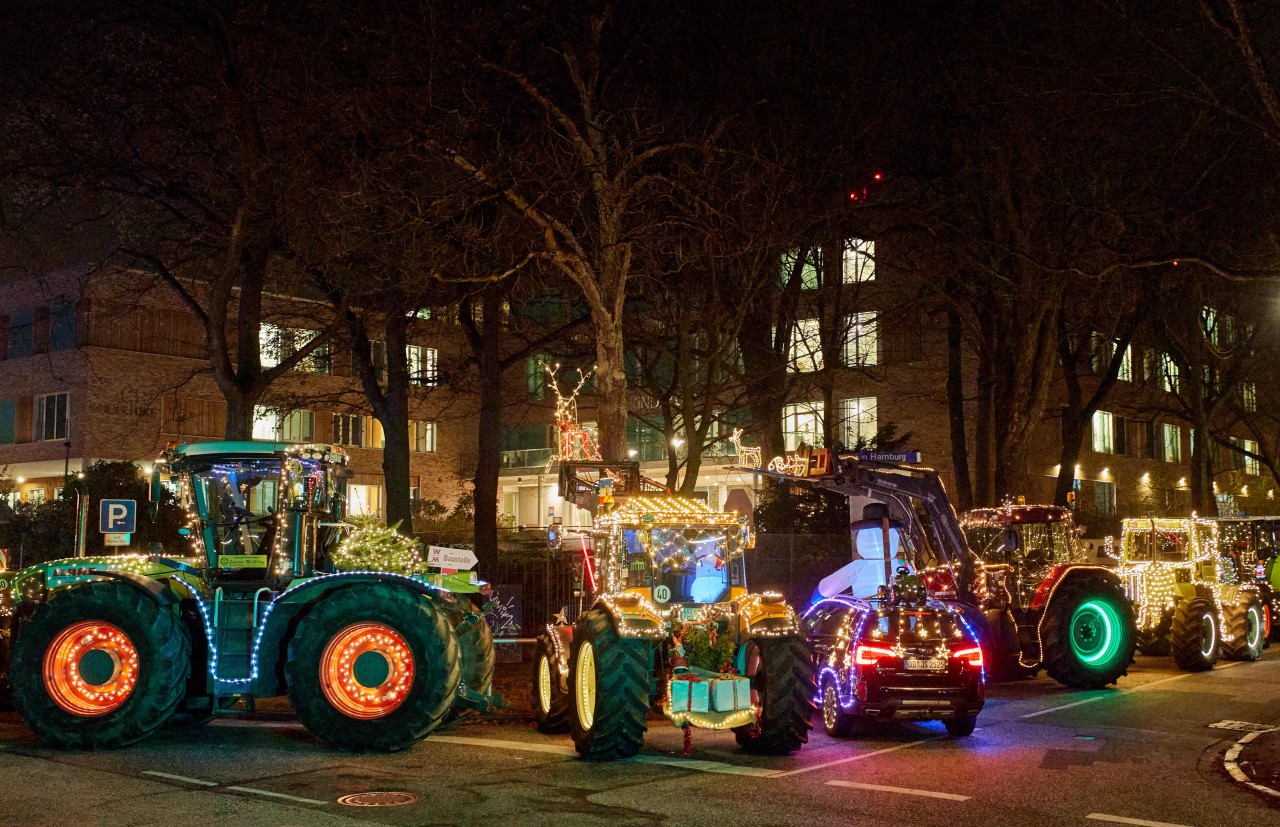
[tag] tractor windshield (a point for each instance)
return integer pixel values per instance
(239, 500)
(1145, 545)
(683, 565)
(1038, 543)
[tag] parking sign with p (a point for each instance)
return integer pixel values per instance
(118, 516)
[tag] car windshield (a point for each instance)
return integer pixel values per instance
(239, 500)
(683, 565)
(1037, 542)
(1170, 546)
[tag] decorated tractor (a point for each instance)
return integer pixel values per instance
(1069, 617)
(897, 656)
(1187, 597)
(1251, 545)
(674, 627)
(1047, 604)
(104, 650)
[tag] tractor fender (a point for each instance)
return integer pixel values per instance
(275, 629)
(767, 615)
(633, 616)
(157, 590)
(1060, 574)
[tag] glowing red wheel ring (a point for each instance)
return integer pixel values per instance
(64, 668)
(346, 691)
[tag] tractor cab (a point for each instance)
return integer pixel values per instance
(260, 513)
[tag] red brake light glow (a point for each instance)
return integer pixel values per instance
(868, 655)
(971, 654)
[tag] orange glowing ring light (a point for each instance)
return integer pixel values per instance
(384, 654)
(113, 678)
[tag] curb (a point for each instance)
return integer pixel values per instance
(1229, 761)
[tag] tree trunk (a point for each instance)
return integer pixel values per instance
(392, 411)
(955, 412)
(1203, 501)
(240, 407)
(611, 392)
(982, 436)
(489, 445)
(1072, 439)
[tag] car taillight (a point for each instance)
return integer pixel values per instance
(869, 655)
(971, 655)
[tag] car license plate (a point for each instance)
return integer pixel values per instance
(690, 612)
(921, 664)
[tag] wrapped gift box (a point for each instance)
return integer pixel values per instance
(730, 693)
(690, 695)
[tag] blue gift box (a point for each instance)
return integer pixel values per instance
(729, 694)
(690, 695)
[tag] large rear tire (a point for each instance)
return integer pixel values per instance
(781, 674)
(1194, 636)
(99, 666)
(550, 688)
(373, 667)
(1244, 631)
(611, 682)
(1089, 634)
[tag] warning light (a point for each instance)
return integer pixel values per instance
(877, 176)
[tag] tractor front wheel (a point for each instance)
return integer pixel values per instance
(782, 691)
(1194, 636)
(1244, 632)
(550, 687)
(612, 678)
(373, 667)
(1088, 634)
(100, 665)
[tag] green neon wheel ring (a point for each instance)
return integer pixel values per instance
(1095, 633)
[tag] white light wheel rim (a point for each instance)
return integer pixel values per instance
(544, 684)
(1208, 635)
(585, 685)
(1253, 631)
(829, 703)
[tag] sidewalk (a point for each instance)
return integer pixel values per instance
(1254, 760)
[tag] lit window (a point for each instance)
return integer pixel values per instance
(1249, 397)
(364, 500)
(808, 269)
(802, 423)
(423, 435)
(35, 495)
(859, 263)
(858, 421)
(1171, 442)
(805, 352)
(1251, 465)
(862, 340)
(1168, 373)
(271, 344)
(1125, 373)
(50, 417)
(1103, 432)
(265, 423)
(535, 376)
(423, 365)
(298, 426)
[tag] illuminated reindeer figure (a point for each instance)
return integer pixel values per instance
(573, 442)
(747, 457)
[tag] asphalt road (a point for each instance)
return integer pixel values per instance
(1042, 755)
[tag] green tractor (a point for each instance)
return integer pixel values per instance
(1187, 601)
(99, 652)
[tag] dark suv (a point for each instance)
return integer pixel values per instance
(894, 658)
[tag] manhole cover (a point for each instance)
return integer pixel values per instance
(378, 799)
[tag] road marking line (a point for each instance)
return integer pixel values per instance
(904, 790)
(705, 766)
(277, 795)
(182, 778)
(1118, 692)
(1141, 822)
(554, 749)
(1234, 770)
(860, 757)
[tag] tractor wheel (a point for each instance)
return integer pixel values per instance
(98, 666)
(782, 691)
(1244, 631)
(475, 647)
(550, 688)
(961, 727)
(1155, 642)
(836, 722)
(611, 683)
(1007, 657)
(1194, 636)
(373, 667)
(1088, 634)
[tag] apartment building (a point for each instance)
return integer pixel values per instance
(113, 367)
